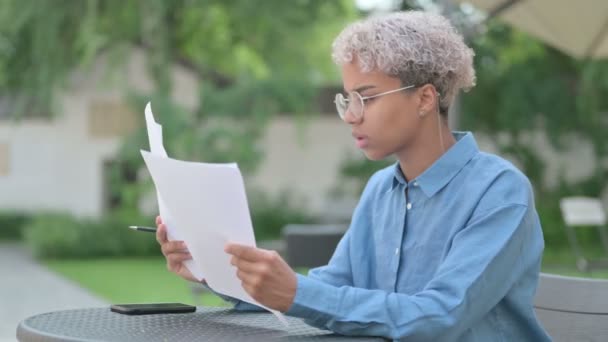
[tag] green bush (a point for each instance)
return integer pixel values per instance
(11, 225)
(63, 236)
(355, 172)
(551, 220)
(52, 235)
(56, 235)
(269, 215)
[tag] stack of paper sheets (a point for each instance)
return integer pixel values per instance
(205, 206)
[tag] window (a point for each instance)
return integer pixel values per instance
(110, 119)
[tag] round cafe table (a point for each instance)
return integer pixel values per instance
(206, 324)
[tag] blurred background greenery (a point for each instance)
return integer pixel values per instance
(256, 62)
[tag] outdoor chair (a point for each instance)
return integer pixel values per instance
(583, 212)
(309, 245)
(573, 309)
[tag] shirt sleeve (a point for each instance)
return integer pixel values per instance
(338, 271)
(471, 280)
(238, 304)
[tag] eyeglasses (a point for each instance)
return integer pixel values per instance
(355, 103)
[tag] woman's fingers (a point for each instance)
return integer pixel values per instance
(161, 233)
(178, 258)
(175, 252)
(171, 247)
(175, 261)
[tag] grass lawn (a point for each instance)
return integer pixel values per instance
(144, 280)
(562, 261)
(131, 280)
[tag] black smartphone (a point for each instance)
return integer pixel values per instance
(152, 308)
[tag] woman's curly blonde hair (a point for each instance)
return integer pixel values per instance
(416, 47)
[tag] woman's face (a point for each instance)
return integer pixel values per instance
(391, 122)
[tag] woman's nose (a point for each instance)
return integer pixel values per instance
(350, 118)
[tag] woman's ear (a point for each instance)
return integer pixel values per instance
(428, 98)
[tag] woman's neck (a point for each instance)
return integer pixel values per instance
(424, 151)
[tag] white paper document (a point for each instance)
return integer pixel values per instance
(204, 205)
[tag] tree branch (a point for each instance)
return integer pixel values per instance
(218, 79)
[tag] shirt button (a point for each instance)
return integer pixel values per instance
(396, 251)
(415, 183)
(409, 206)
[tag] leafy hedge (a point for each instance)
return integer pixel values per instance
(57, 235)
(11, 225)
(63, 236)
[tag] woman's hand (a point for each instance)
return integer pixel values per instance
(175, 252)
(264, 275)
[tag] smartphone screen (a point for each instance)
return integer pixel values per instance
(152, 308)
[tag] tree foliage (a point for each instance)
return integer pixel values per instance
(524, 86)
(41, 42)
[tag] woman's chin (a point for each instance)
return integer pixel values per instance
(374, 155)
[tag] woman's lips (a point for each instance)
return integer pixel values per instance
(360, 140)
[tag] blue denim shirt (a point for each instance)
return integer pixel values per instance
(453, 255)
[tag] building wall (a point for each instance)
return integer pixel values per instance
(304, 158)
(310, 167)
(57, 165)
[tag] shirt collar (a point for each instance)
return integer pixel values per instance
(445, 168)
